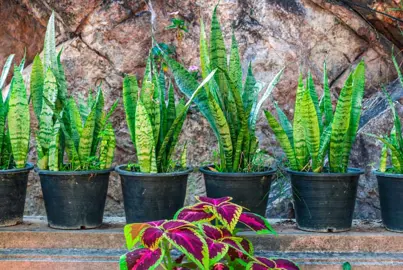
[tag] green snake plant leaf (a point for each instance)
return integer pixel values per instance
(42, 162)
(145, 143)
(179, 118)
(327, 102)
(384, 158)
(250, 90)
(285, 123)
(18, 120)
(394, 158)
(355, 114)
(399, 73)
(340, 126)
(54, 147)
(130, 95)
(87, 136)
(23, 60)
(171, 112)
(46, 117)
(99, 124)
(61, 84)
(315, 99)
(162, 107)
(311, 126)
(108, 144)
(49, 48)
(300, 147)
(255, 110)
(183, 158)
(204, 52)
(235, 68)
(283, 139)
(156, 110)
(323, 148)
(36, 85)
(396, 120)
(6, 69)
(398, 162)
(75, 121)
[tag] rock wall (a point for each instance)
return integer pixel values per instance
(104, 39)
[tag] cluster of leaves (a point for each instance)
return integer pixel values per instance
(155, 126)
(316, 131)
(230, 105)
(180, 26)
(81, 133)
(392, 144)
(14, 119)
(201, 236)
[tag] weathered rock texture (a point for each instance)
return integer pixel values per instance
(103, 39)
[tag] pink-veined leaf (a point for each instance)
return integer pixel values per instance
(225, 232)
(211, 231)
(257, 223)
(237, 254)
(233, 242)
(151, 237)
(132, 233)
(189, 242)
(216, 250)
(156, 223)
(228, 214)
(285, 264)
(141, 259)
(194, 215)
(213, 201)
(220, 266)
(176, 224)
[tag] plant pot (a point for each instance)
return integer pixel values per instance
(74, 199)
(13, 189)
(324, 202)
(390, 195)
(250, 190)
(152, 196)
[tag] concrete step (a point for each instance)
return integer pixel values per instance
(33, 245)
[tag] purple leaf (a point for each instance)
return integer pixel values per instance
(213, 201)
(228, 214)
(156, 223)
(220, 266)
(189, 242)
(211, 231)
(285, 264)
(151, 237)
(267, 262)
(194, 215)
(216, 250)
(175, 224)
(257, 223)
(236, 254)
(141, 259)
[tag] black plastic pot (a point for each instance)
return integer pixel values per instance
(250, 190)
(391, 196)
(74, 199)
(324, 202)
(152, 196)
(13, 189)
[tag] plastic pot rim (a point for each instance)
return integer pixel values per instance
(87, 172)
(350, 172)
(121, 171)
(28, 167)
(385, 174)
(205, 170)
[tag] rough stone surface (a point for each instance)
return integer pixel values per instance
(102, 40)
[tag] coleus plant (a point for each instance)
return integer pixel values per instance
(14, 119)
(155, 126)
(316, 131)
(201, 236)
(81, 133)
(392, 144)
(230, 105)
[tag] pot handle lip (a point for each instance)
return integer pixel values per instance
(28, 166)
(376, 172)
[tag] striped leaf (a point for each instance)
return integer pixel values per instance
(327, 102)
(99, 123)
(283, 139)
(398, 156)
(204, 52)
(18, 120)
(49, 48)
(61, 84)
(323, 148)
(315, 99)
(171, 112)
(144, 140)
(6, 70)
(396, 121)
(235, 68)
(300, 147)
(130, 94)
(285, 123)
(74, 119)
(87, 137)
(107, 150)
(54, 148)
(384, 158)
(250, 90)
(36, 85)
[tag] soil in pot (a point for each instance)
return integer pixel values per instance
(250, 190)
(152, 196)
(390, 196)
(324, 202)
(13, 189)
(74, 199)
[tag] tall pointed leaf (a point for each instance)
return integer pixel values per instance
(327, 102)
(36, 85)
(130, 94)
(87, 137)
(6, 69)
(300, 148)
(49, 49)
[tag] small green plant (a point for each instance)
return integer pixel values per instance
(316, 132)
(392, 144)
(14, 119)
(347, 266)
(180, 26)
(230, 105)
(155, 126)
(70, 137)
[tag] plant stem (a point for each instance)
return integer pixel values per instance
(168, 255)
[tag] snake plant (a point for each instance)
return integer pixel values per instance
(82, 134)
(316, 131)
(230, 105)
(155, 126)
(14, 119)
(392, 144)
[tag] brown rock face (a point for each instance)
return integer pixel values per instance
(102, 40)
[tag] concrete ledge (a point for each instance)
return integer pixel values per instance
(33, 245)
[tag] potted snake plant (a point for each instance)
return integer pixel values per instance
(324, 195)
(75, 144)
(231, 107)
(14, 146)
(154, 188)
(390, 179)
